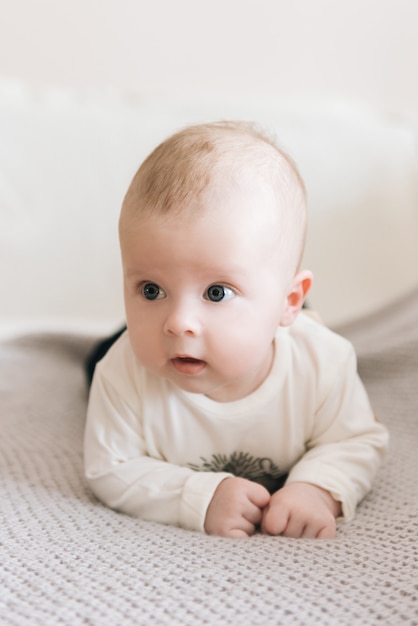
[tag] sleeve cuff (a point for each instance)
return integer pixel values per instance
(197, 495)
(330, 483)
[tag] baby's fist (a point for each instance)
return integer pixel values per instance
(236, 508)
(301, 510)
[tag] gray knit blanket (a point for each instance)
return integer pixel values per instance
(66, 559)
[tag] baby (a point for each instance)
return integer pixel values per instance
(224, 408)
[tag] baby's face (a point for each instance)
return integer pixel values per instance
(204, 295)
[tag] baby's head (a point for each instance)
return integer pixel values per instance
(211, 232)
(214, 159)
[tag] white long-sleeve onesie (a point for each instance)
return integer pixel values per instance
(157, 452)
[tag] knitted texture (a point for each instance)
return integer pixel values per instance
(67, 559)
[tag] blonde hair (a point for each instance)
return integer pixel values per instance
(183, 166)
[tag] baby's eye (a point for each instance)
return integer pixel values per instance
(151, 291)
(218, 293)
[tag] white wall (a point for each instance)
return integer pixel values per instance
(365, 49)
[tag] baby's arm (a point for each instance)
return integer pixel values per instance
(236, 508)
(301, 510)
(343, 453)
(125, 477)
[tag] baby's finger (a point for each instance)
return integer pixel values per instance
(238, 533)
(274, 520)
(327, 532)
(320, 527)
(253, 514)
(258, 495)
(310, 532)
(295, 527)
(241, 528)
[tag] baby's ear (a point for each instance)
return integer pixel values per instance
(295, 298)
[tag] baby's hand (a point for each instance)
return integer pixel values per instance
(301, 510)
(236, 508)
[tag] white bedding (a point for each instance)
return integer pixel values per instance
(67, 559)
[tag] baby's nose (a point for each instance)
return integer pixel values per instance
(182, 320)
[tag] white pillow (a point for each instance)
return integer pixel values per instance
(66, 160)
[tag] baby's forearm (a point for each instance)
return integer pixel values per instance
(345, 469)
(154, 490)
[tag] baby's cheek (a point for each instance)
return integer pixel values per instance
(143, 345)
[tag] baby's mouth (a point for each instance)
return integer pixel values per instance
(188, 365)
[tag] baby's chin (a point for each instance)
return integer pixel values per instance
(190, 376)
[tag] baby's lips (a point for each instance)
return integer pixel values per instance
(188, 365)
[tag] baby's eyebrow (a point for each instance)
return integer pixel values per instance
(134, 272)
